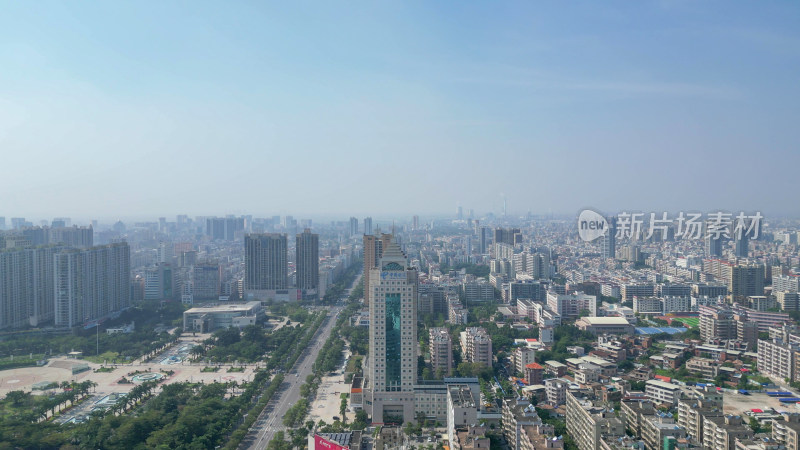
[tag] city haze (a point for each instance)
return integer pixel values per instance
(125, 110)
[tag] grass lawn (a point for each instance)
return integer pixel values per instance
(21, 405)
(351, 364)
(19, 361)
(692, 322)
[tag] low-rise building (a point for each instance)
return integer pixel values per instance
(657, 427)
(522, 356)
(209, 318)
(471, 437)
(462, 409)
(556, 391)
(555, 368)
(572, 305)
(787, 431)
(705, 367)
(603, 367)
(601, 325)
(534, 373)
(441, 349)
(788, 301)
(522, 426)
(663, 392)
(634, 412)
(476, 345)
(777, 358)
(695, 406)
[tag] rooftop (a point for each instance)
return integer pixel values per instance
(664, 385)
(606, 320)
(232, 307)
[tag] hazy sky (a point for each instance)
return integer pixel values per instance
(134, 109)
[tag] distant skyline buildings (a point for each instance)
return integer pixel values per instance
(368, 226)
(353, 226)
(373, 251)
(609, 240)
(227, 225)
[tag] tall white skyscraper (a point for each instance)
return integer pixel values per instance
(392, 370)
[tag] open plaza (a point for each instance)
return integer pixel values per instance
(112, 380)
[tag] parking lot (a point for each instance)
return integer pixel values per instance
(735, 403)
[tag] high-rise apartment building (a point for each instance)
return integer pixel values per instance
(484, 239)
(353, 226)
(571, 306)
(91, 283)
(224, 228)
(510, 236)
(26, 286)
(392, 370)
(76, 237)
(786, 283)
(18, 223)
(206, 281)
(307, 261)
(746, 280)
(36, 236)
(741, 246)
(265, 261)
(159, 282)
(628, 291)
(778, 359)
(535, 265)
(717, 323)
(789, 301)
(713, 247)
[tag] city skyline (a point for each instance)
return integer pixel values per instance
(400, 225)
(253, 108)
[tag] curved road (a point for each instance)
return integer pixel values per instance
(271, 419)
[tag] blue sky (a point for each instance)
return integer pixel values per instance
(141, 109)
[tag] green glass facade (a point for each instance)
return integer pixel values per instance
(393, 333)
